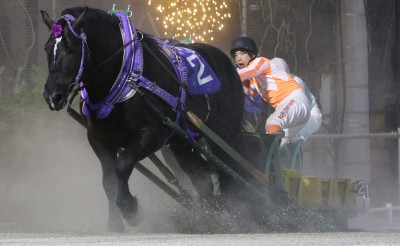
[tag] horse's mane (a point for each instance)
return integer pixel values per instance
(76, 11)
(92, 15)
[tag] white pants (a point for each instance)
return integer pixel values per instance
(313, 124)
(291, 114)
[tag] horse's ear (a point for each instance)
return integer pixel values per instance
(79, 21)
(46, 19)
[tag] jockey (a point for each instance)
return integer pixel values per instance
(261, 77)
(314, 122)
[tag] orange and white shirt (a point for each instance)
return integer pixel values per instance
(263, 77)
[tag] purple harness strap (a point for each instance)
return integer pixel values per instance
(130, 78)
(170, 53)
(122, 89)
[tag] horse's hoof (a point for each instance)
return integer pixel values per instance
(132, 212)
(137, 218)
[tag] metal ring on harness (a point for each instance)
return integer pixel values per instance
(141, 36)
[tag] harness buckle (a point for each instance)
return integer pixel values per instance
(132, 78)
(83, 36)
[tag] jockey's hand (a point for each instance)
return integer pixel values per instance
(246, 91)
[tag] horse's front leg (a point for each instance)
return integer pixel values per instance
(139, 149)
(108, 159)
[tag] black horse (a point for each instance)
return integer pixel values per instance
(86, 46)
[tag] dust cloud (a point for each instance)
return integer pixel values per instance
(50, 180)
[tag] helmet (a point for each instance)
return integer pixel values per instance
(281, 63)
(243, 43)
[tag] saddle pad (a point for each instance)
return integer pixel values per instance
(201, 79)
(253, 105)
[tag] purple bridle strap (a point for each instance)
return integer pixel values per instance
(69, 18)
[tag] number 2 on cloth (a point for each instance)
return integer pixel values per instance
(201, 71)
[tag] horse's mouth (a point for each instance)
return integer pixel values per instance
(56, 105)
(51, 104)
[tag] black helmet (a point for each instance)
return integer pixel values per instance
(243, 43)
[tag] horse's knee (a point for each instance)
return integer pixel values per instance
(123, 170)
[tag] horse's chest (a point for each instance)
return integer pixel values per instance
(112, 134)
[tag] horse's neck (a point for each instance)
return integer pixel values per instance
(102, 74)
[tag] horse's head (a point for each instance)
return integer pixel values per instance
(65, 54)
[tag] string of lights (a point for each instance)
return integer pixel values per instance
(196, 20)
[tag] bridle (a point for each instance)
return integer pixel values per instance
(78, 86)
(56, 30)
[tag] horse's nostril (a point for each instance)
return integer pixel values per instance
(57, 98)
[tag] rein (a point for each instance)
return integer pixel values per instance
(109, 58)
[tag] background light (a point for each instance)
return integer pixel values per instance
(191, 19)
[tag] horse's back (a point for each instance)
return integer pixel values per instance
(226, 105)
